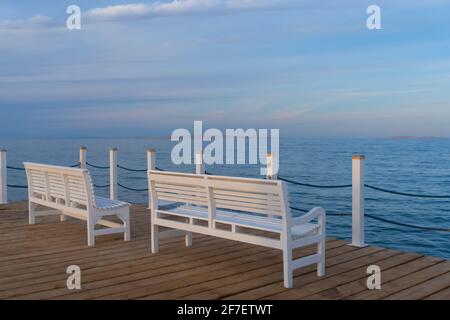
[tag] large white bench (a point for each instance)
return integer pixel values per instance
(254, 211)
(69, 192)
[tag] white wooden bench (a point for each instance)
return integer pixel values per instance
(69, 192)
(254, 211)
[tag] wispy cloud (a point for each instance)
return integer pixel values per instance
(178, 7)
(32, 22)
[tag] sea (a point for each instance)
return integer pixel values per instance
(417, 166)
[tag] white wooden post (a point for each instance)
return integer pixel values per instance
(270, 172)
(83, 158)
(151, 165)
(271, 175)
(199, 167)
(113, 173)
(3, 178)
(358, 182)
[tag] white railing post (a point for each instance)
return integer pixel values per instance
(3, 178)
(151, 165)
(358, 182)
(270, 171)
(151, 160)
(271, 175)
(199, 167)
(83, 151)
(113, 173)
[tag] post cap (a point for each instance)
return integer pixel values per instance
(113, 149)
(150, 150)
(358, 157)
(269, 154)
(3, 150)
(83, 148)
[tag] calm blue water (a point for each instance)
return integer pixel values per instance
(417, 166)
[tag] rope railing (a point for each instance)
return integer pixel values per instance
(407, 194)
(315, 185)
(102, 185)
(132, 189)
(96, 166)
(17, 186)
(423, 228)
(15, 168)
(328, 213)
(367, 186)
(288, 180)
(132, 170)
(23, 169)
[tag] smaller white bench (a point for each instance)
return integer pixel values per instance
(254, 211)
(70, 192)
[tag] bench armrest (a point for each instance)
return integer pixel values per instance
(314, 213)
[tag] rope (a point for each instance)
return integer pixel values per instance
(23, 169)
(133, 170)
(15, 168)
(156, 168)
(95, 166)
(102, 185)
(406, 194)
(17, 187)
(314, 185)
(407, 225)
(132, 189)
(328, 214)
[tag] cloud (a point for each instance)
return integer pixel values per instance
(177, 7)
(32, 22)
(119, 11)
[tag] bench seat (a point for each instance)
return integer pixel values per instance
(106, 204)
(242, 219)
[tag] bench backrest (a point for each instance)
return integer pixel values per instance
(61, 185)
(267, 197)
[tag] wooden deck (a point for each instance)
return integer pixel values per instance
(33, 262)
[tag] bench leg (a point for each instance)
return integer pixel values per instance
(125, 217)
(188, 239)
(127, 234)
(321, 252)
(91, 232)
(287, 268)
(31, 213)
(155, 238)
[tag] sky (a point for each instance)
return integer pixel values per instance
(308, 68)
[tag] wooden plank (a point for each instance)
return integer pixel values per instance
(33, 259)
(404, 282)
(262, 289)
(423, 289)
(217, 288)
(440, 295)
(119, 277)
